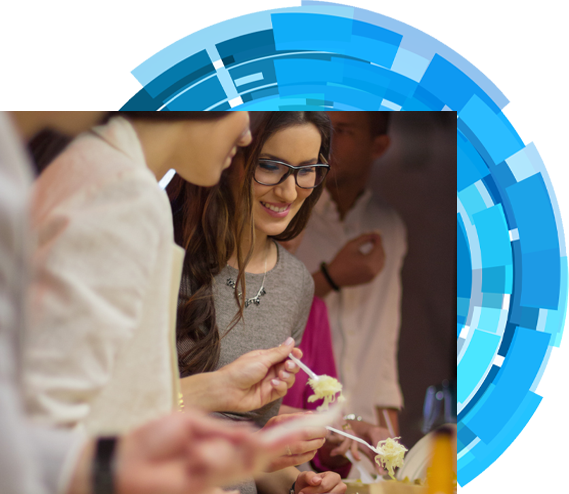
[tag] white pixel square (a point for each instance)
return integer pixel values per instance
(235, 102)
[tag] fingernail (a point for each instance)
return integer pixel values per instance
(289, 341)
(290, 365)
(275, 382)
(285, 375)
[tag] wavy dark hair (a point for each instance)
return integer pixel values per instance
(212, 223)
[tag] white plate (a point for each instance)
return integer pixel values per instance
(418, 459)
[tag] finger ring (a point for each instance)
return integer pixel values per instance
(346, 426)
(288, 451)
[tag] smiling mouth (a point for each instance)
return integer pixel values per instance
(275, 208)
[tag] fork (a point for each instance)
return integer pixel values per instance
(312, 375)
(342, 433)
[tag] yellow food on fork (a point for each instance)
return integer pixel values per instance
(391, 455)
(325, 387)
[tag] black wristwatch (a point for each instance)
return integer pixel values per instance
(292, 488)
(103, 479)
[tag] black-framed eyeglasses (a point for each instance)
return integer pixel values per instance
(272, 172)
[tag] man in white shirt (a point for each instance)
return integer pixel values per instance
(355, 246)
(180, 453)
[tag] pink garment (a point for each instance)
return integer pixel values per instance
(316, 346)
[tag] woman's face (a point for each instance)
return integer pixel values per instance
(274, 206)
(207, 147)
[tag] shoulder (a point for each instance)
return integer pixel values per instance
(101, 155)
(92, 175)
(294, 270)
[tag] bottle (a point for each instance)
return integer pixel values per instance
(441, 475)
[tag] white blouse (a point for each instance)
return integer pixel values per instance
(101, 351)
(364, 319)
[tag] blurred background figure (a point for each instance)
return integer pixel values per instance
(358, 230)
(354, 246)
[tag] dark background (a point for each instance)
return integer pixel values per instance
(417, 176)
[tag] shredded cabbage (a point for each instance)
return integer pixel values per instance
(390, 454)
(325, 387)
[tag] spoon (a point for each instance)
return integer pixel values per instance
(312, 375)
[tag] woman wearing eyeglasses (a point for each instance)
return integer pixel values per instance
(251, 292)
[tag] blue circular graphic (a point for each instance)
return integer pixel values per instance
(511, 260)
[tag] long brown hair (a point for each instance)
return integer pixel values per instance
(211, 223)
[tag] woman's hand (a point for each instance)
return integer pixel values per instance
(181, 453)
(258, 377)
(301, 450)
(250, 382)
(315, 483)
(372, 434)
(340, 445)
(332, 454)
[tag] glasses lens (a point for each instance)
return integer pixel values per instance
(308, 176)
(311, 176)
(270, 172)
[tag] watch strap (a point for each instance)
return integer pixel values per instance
(103, 466)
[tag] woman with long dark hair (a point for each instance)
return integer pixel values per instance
(101, 352)
(240, 290)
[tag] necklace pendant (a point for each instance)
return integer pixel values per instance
(257, 298)
(231, 283)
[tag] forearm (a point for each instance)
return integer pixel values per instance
(206, 392)
(277, 482)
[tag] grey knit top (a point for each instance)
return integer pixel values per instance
(282, 312)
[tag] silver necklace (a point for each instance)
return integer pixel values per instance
(257, 298)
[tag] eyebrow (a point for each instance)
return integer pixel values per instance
(313, 161)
